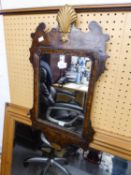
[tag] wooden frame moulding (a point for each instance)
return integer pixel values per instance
(13, 114)
(78, 9)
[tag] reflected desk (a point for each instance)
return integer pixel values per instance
(82, 90)
(73, 86)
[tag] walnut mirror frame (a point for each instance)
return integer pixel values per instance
(67, 39)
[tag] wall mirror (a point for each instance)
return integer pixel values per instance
(67, 63)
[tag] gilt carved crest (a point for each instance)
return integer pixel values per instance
(65, 18)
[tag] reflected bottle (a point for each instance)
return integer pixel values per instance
(84, 78)
(78, 77)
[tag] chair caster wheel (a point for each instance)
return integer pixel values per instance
(26, 164)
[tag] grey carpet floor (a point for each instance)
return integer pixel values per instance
(76, 166)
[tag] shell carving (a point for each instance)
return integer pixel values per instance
(65, 18)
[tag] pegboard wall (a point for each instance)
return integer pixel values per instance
(111, 110)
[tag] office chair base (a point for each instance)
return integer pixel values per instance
(49, 162)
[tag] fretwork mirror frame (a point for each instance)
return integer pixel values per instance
(69, 40)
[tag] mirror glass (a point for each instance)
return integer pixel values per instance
(63, 88)
(27, 145)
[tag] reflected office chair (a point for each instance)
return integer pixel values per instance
(66, 114)
(49, 161)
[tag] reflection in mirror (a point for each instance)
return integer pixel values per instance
(63, 87)
(27, 142)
